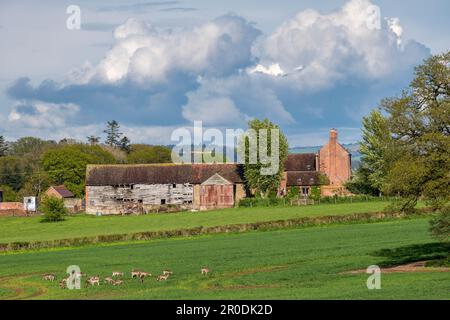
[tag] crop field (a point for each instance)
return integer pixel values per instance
(30, 229)
(308, 263)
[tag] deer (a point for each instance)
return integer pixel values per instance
(117, 283)
(117, 274)
(63, 283)
(162, 277)
(135, 273)
(49, 277)
(204, 271)
(93, 281)
(166, 272)
(109, 280)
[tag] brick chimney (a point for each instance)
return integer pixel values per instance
(333, 136)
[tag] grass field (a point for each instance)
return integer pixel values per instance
(283, 264)
(30, 229)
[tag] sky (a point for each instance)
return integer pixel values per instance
(155, 66)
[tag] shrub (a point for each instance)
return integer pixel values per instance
(440, 225)
(53, 209)
(293, 193)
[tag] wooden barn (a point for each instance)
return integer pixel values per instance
(127, 189)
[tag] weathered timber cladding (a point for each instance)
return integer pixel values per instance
(138, 198)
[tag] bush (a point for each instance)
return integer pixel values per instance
(53, 209)
(293, 193)
(440, 225)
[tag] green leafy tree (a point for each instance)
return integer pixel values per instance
(255, 180)
(112, 133)
(3, 147)
(419, 123)
(375, 149)
(14, 171)
(30, 147)
(360, 183)
(9, 195)
(141, 153)
(35, 185)
(67, 164)
(53, 209)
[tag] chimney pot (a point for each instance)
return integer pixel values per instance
(333, 135)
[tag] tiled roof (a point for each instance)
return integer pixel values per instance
(303, 178)
(300, 162)
(63, 191)
(100, 175)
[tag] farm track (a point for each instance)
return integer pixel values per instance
(405, 268)
(19, 287)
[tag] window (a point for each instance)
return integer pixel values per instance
(163, 201)
(174, 185)
(305, 190)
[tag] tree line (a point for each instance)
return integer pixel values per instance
(29, 165)
(406, 145)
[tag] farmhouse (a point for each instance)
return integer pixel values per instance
(124, 189)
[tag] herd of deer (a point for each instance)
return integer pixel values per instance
(95, 280)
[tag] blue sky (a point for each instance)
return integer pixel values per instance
(158, 65)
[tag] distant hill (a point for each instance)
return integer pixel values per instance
(353, 148)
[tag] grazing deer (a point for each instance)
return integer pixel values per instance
(204, 271)
(117, 283)
(135, 274)
(109, 280)
(166, 272)
(117, 274)
(93, 281)
(49, 277)
(63, 283)
(145, 274)
(162, 277)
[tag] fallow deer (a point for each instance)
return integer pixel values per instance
(49, 277)
(135, 274)
(117, 283)
(166, 272)
(162, 277)
(204, 271)
(93, 281)
(109, 280)
(117, 274)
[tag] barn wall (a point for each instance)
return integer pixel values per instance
(139, 198)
